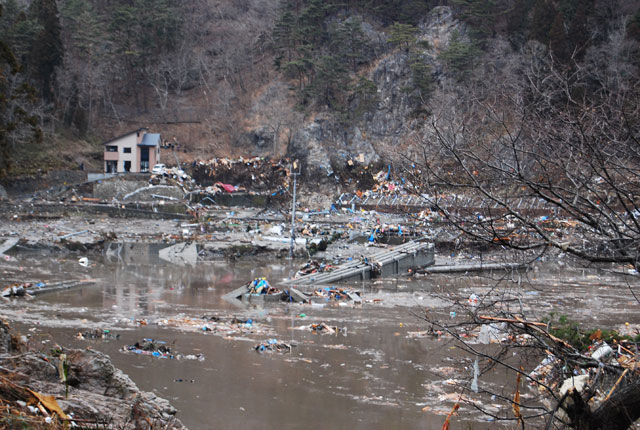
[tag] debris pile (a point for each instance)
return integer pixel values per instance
(324, 328)
(16, 290)
(173, 176)
(243, 174)
(313, 266)
(261, 286)
(159, 349)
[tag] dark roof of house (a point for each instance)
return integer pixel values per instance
(150, 139)
(125, 135)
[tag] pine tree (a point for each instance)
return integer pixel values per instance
(311, 23)
(460, 56)
(348, 41)
(517, 20)
(284, 38)
(558, 39)
(412, 11)
(578, 37)
(47, 50)
(330, 82)
(633, 27)
(14, 99)
(422, 80)
(402, 34)
(365, 93)
(544, 14)
(480, 15)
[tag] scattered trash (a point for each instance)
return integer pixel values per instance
(221, 326)
(66, 236)
(273, 345)
(473, 300)
(97, 334)
(83, 261)
(602, 353)
(493, 333)
(323, 328)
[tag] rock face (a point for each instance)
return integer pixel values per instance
(97, 390)
(325, 140)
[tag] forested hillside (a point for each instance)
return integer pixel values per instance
(322, 80)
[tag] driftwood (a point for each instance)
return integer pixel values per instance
(11, 391)
(511, 320)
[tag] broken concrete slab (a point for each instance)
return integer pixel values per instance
(297, 296)
(181, 254)
(8, 244)
(384, 262)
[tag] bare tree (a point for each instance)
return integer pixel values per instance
(543, 157)
(553, 143)
(568, 387)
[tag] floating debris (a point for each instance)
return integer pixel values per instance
(159, 349)
(97, 334)
(337, 294)
(273, 345)
(222, 326)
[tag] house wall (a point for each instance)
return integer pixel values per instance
(139, 137)
(129, 141)
(153, 156)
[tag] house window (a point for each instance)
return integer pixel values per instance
(112, 148)
(126, 150)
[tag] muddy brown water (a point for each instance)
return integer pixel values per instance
(377, 376)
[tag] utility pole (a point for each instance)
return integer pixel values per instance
(295, 174)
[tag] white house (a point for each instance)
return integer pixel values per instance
(135, 151)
